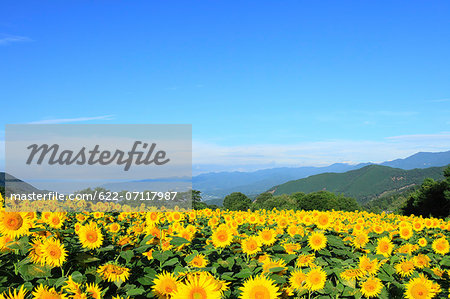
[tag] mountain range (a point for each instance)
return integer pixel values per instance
(370, 181)
(219, 184)
(364, 184)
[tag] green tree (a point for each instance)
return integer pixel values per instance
(237, 201)
(432, 198)
(281, 202)
(325, 201)
(196, 195)
(263, 197)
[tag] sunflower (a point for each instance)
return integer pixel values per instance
(352, 274)
(371, 287)
(419, 288)
(267, 236)
(201, 285)
(4, 242)
(36, 254)
(222, 237)
(385, 247)
(297, 280)
(221, 285)
(149, 254)
(259, 287)
(165, 284)
(367, 265)
(54, 252)
(176, 216)
(114, 227)
(251, 245)
(422, 242)
(56, 220)
(421, 261)
(405, 268)
(292, 230)
(90, 236)
(14, 224)
(291, 248)
(187, 234)
(323, 220)
(305, 260)
(46, 292)
(269, 264)
(360, 240)
(315, 279)
(94, 290)
(112, 272)
(15, 293)
(441, 246)
(438, 271)
(71, 286)
(165, 243)
(418, 225)
(317, 241)
(199, 261)
(406, 232)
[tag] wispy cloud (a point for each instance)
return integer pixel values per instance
(71, 120)
(321, 152)
(444, 136)
(6, 39)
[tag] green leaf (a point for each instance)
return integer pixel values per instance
(170, 262)
(278, 279)
(325, 252)
(244, 274)
(127, 255)
(145, 240)
(161, 256)
(145, 281)
(134, 292)
(77, 277)
(178, 241)
(276, 269)
(389, 269)
(287, 257)
(151, 273)
(190, 257)
(60, 282)
(31, 271)
(85, 258)
(445, 261)
(385, 277)
(335, 241)
(106, 248)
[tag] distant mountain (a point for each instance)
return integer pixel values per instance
(421, 160)
(218, 184)
(180, 184)
(364, 184)
(18, 186)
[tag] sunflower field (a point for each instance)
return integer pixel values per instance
(211, 254)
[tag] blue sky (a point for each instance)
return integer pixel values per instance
(263, 83)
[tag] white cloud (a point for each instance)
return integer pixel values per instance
(320, 153)
(422, 137)
(9, 39)
(71, 120)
